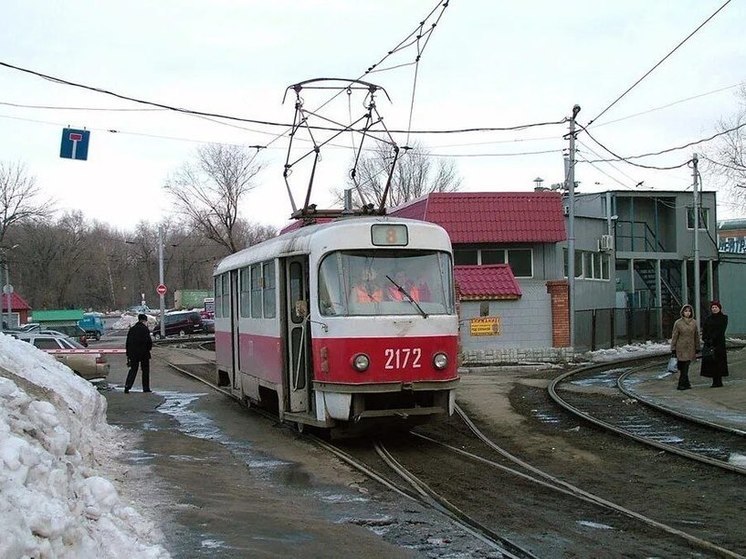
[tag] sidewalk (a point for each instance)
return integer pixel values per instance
(724, 406)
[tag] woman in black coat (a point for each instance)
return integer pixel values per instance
(715, 366)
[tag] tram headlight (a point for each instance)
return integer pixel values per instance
(440, 361)
(361, 362)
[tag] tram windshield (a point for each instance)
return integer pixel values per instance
(385, 282)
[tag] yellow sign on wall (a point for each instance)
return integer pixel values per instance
(485, 326)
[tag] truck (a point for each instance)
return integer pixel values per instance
(185, 299)
(92, 324)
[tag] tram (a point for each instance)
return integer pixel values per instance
(349, 321)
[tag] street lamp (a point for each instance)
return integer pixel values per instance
(161, 294)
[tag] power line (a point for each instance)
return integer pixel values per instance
(626, 159)
(668, 105)
(660, 61)
(263, 122)
(661, 152)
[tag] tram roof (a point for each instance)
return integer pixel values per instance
(333, 234)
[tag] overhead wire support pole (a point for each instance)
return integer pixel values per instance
(571, 226)
(160, 278)
(695, 211)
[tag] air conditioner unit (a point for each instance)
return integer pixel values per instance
(606, 243)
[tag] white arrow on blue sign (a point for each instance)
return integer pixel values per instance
(74, 144)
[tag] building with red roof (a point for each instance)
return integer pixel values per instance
(19, 309)
(508, 269)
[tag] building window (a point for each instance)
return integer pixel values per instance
(493, 257)
(521, 262)
(590, 265)
(465, 257)
(704, 218)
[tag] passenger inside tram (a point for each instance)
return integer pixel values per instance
(374, 283)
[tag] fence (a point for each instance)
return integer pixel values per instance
(606, 328)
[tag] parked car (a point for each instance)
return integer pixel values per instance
(88, 364)
(180, 323)
(208, 325)
(71, 330)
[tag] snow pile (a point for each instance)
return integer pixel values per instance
(53, 435)
(627, 351)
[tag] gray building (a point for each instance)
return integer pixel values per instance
(650, 239)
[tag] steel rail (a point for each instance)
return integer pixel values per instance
(567, 487)
(552, 389)
(439, 503)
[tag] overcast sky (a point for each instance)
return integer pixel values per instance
(487, 63)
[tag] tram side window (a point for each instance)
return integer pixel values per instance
(269, 289)
(226, 301)
(245, 280)
(256, 291)
(218, 290)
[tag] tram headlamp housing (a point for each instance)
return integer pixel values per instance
(440, 361)
(361, 362)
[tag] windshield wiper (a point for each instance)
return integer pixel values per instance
(408, 296)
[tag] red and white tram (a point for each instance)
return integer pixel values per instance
(340, 322)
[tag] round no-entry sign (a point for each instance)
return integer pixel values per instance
(161, 289)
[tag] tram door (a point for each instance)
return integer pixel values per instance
(234, 314)
(298, 336)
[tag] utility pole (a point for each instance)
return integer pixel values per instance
(160, 279)
(571, 225)
(695, 188)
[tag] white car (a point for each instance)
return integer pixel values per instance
(87, 363)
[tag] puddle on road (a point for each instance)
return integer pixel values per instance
(607, 378)
(598, 526)
(276, 472)
(737, 460)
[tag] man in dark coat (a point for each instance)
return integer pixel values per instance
(714, 356)
(138, 346)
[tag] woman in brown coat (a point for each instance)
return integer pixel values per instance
(685, 344)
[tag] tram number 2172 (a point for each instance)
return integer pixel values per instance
(403, 358)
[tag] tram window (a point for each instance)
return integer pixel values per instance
(217, 287)
(256, 291)
(269, 289)
(367, 283)
(225, 303)
(245, 280)
(296, 291)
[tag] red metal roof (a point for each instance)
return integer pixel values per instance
(493, 281)
(492, 217)
(17, 303)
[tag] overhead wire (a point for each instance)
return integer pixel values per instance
(663, 151)
(630, 88)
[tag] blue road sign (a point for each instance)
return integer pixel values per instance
(74, 144)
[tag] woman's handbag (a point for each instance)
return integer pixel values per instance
(707, 351)
(673, 365)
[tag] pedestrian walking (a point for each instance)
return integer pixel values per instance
(138, 346)
(714, 356)
(685, 344)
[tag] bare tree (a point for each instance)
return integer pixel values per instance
(417, 173)
(727, 157)
(209, 190)
(18, 197)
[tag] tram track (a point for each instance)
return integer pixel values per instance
(616, 409)
(419, 490)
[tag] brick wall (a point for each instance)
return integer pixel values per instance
(559, 293)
